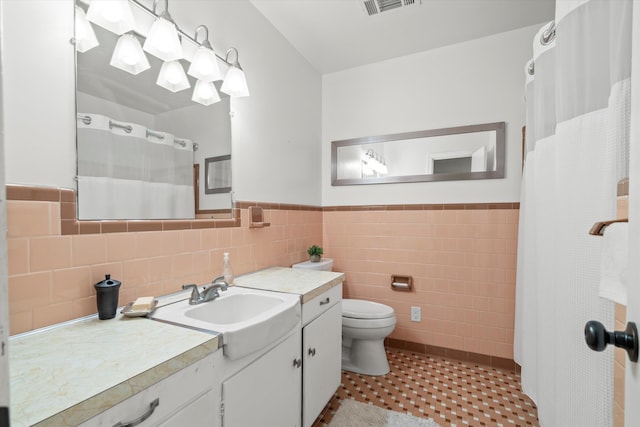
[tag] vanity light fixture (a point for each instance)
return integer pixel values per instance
(235, 82)
(163, 41)
(205, 93)
(113, 15)
(204, 65)
(85, 38)
(128, 55)
(172, 76)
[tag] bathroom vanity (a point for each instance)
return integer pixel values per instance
(321, 296)
(135, 370)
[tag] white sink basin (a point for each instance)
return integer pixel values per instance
(248, 319)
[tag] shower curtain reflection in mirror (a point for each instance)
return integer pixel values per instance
(127, 171)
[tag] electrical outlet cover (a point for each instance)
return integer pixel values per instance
(415, 314)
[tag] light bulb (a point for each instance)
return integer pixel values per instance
(128, 55)
(204, 65)
(235, 83)
(113, 15)
(85, 37)
(172, 76)
(111, 12)
(163, 41)
(205, 92)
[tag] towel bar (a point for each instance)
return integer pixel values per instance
(599, 227)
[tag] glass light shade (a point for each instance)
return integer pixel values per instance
(204, 65)
(235, 83)
(85, 36)
(128, 55)
(172, 77)
(163, 41)
(205, 93)
(113, 15)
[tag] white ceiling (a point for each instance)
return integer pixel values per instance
(335, 35)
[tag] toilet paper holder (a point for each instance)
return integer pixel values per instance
(401, 283)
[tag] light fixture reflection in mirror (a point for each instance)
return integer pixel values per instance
(465, 152)
(172, 77)
(85, 38)
(128, 55)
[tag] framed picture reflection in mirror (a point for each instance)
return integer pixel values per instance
(217, 174)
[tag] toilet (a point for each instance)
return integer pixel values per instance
(365, 325)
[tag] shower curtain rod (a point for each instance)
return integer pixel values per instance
(86, 119)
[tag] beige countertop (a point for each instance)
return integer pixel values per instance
(306, 283)
(64, 375)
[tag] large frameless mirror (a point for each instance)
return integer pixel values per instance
(144, 139)
(456, 153)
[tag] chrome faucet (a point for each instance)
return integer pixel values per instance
(209, 293)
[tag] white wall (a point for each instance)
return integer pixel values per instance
(276, 131)
(4, 287)
(39, 103)
(480, 81)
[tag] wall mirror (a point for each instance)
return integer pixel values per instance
(456, 153)
(125, 111)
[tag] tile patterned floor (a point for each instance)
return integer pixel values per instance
(451, 392)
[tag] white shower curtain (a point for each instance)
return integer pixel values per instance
(576, 151)
(126, 171)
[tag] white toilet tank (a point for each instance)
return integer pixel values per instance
(325, 264)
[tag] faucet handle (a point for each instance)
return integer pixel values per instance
(220, 281)
(195, 295)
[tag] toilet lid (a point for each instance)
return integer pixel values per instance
(361, 309)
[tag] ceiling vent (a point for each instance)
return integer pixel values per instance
(374, 7)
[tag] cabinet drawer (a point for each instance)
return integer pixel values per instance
(172, 393)
(321, 303)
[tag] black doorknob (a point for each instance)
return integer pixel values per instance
(597, 338)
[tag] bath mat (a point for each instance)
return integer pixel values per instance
(352, 413)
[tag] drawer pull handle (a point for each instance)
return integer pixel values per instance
(296, 362)
(152, 407)
(312, 352)
(325, 301)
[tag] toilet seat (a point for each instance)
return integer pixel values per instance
(348, 322)
(361, 309)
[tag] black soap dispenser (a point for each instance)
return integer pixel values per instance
(107, 297)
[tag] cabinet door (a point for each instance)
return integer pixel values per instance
(322, 355)
(200, 413)
(267, 392)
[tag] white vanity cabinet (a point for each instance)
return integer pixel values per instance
(187, 397)
(266, 393)
(321, 352)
